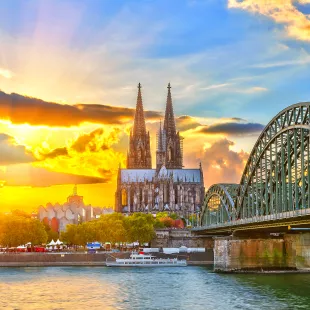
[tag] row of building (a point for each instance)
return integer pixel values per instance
(74, 211)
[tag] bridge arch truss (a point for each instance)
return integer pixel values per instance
(219, 204)
(276, 177)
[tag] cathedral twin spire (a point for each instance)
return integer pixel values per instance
(172, 156)
(169, 123)
(139, 155)
(169, 142)
(139, 122)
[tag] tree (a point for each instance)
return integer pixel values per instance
(140, 227)
(51, 235)
(114, 228)
(162, 214)
(36, 233)
(18, 230)
(70, 236)
(158, 223)
(174, 216)
(21, 213)
(167, 221)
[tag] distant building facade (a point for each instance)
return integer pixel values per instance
(169, 187)
(73, 211)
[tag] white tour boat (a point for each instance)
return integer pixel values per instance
(142, 260)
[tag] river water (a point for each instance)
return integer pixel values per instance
(150, 288)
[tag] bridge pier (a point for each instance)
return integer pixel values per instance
(259, 253)
(298, 247)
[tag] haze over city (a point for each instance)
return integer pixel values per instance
(68, 87)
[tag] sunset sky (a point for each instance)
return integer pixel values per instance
(69, 71)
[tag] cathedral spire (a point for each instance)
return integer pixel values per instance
(139, 121)
(169, 123)
(173, 150)
(139, 154)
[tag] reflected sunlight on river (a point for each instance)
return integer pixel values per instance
(149, 288)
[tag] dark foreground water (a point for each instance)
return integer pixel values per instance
(150, 288)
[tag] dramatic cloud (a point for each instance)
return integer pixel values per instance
(61, 151)
(86, 160)
(105, 172)
(12, 153)
(95, 141)
(297, 24)
(89, 154)
(20, 110)
(27, 175)
(232, 128)
(221, 164)
(186, 122)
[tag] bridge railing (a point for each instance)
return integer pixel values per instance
(258, 219)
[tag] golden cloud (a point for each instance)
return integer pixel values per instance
(220, 163)
(90, 154)
(297, 24)
(28, 175)
(26, 110)
(186, 122)
(12, 153)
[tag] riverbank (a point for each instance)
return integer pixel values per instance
(86, 259)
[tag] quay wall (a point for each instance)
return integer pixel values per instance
(289, 252)
(87, 259)
(175, 238)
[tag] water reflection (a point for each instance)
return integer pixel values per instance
(167, 288)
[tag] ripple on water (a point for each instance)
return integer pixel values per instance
(152, 288)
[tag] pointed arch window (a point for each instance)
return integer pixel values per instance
(124, 197)
(170, 153)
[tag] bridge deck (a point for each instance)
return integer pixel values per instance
(301, 217)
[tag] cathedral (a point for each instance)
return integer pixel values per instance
(169, 187)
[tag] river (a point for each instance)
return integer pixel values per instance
(149, 288)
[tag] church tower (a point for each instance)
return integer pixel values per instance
(139, 154)
(170, 144)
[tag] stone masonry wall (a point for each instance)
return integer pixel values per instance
(298, 249)
(292, 251)
(249, 254)
(180, 237)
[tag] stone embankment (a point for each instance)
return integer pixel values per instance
(288, 253)
(86, 259)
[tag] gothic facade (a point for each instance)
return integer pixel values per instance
(169, 187)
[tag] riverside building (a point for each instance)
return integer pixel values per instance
(168, 187)
(73, 211)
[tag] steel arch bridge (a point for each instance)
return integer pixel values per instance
(275, 182)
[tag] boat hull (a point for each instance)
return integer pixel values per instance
(115, 264)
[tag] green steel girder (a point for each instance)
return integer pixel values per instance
(219, 204)
(276, 178)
